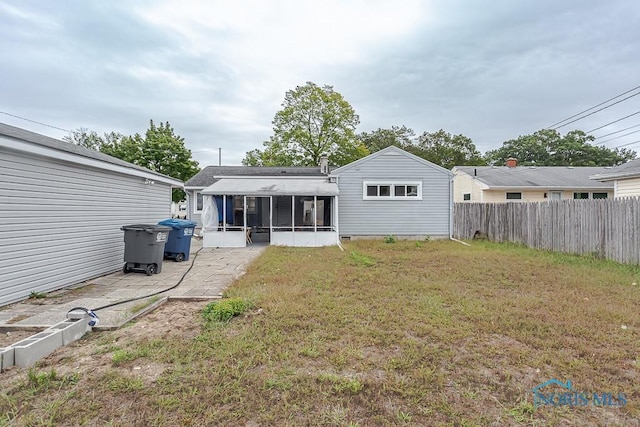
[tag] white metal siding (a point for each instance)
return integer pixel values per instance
(60, 222)
(628, 187)
(429, 216)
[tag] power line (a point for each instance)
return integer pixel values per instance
(33, 121)
(598, 110)
(619, 136)
(618, 131)
(628, 143)
(589, 109)
(615, 121)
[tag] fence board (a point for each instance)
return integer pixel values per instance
(607, 228)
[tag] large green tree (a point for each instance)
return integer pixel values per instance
(314, 121)
(547, 147)
(160, 150)
(439, 147)
(448, 150)
(90, 138)
(398, 136)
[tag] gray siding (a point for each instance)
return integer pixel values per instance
(60, 222)
(429, 216)
(193, 216)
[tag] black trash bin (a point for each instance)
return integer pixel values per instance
(144, 247)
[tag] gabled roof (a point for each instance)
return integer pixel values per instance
(209, 175)
(626, 170)
(536, 177)
(77, 151)
(390, 149)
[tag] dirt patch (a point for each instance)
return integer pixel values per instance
(93, 354)
(11, 337)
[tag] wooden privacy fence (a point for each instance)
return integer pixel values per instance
(608, 228)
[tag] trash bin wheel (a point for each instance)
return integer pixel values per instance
(150, 269)
(125, 269)
(179, 257)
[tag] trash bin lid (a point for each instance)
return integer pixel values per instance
(178, 224)
(150, 228)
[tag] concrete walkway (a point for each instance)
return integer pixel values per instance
(212, 272)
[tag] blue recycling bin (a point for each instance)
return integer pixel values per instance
(179, 241)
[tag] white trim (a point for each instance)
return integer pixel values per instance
(392, 185)
(16, 144)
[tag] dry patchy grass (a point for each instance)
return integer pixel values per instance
(409, 333)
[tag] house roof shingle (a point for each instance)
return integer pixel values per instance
(206, 176)
(67, 147)
(537, 176)
(626, 170)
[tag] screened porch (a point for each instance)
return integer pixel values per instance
(277, 211)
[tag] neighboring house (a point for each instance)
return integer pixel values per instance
(61, 209)
(390, 192)
(625, 179)
(499, 184)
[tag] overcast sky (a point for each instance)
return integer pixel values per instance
(218, 70)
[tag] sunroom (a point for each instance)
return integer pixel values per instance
(285, 211)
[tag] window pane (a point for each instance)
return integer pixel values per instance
(412, 190)
(372, 190)
(514, 196)
(600, 195)
(385, 190)
(399, 190)
(198, 201)
(467, 196)
(580, 195)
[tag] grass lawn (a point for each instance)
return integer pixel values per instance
(405, 333)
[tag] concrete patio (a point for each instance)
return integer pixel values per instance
(212, 272)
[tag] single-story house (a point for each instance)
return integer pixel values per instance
(61, 209)
(625, 179)
(390, 192)
(513, 183)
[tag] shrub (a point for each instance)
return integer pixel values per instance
(224, 310)
(390, 239)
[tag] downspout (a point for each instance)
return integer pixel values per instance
(451, 207)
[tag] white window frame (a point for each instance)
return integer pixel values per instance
(392, 185)
(195, 201)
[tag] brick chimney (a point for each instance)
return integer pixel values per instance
(511, 162)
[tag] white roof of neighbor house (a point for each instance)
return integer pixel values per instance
(626, 170)
(538, 177)
(273, 187)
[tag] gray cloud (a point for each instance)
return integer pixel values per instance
(491, 71)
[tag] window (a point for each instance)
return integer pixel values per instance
(391, 190)
(514, 196)
(556, 195)
(580, 195)
(466, 196)
(197, 201)
(600, 195)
